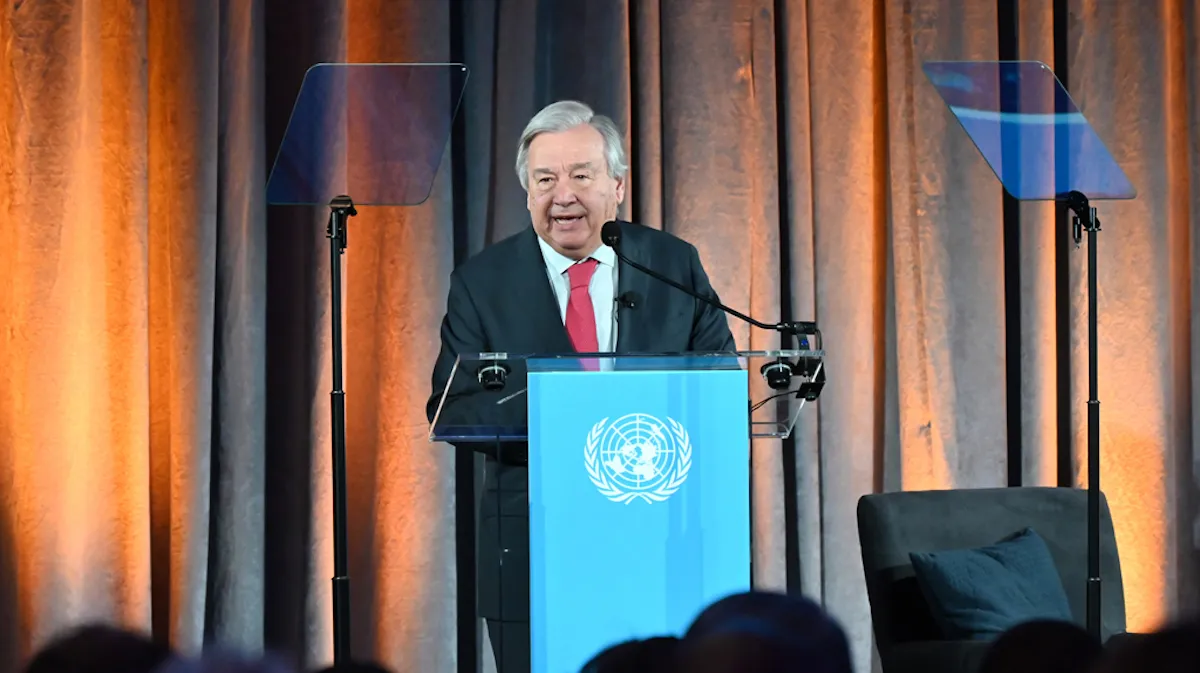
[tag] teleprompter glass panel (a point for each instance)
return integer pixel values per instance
(374, 132)
(1028, 129)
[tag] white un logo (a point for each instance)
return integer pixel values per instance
(637, 456)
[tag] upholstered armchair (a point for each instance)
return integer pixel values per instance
(910, 629)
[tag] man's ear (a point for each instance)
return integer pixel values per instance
(620, 190)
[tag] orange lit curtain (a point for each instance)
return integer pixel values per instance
(164, 401)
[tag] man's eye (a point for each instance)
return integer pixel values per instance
(581, 176)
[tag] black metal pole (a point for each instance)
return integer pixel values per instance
(1085, 219)
(341, 209)
(1093, 408)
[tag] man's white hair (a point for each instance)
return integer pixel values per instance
(565, 115)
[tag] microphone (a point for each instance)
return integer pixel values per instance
(628, 300)
(779, 373)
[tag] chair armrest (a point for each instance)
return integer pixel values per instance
(936, 656)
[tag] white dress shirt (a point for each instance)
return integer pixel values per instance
(603, 290)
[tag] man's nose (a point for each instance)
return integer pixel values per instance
(564, 193)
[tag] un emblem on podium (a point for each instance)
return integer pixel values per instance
(637, 456)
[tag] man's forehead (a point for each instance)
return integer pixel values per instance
(574, 166)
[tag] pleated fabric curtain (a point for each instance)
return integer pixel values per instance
(164, 424)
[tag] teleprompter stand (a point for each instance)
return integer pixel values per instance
(1041, 147)
(378, 131)
(341, 209)
(1084, 219)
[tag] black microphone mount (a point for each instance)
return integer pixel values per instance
(778, 373)
(492, 375)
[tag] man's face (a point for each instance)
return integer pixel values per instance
(571, 195)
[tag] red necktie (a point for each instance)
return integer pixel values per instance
(581, 316)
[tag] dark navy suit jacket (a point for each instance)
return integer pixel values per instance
(500, 301)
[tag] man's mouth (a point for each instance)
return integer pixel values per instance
(568, 221)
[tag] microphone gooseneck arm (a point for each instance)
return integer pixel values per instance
(778, 373)
(610, 235)
(794, 328)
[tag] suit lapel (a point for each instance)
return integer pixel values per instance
(632, 335)
(531, 289)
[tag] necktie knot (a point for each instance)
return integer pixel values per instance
(581, 274)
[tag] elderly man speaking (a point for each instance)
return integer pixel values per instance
(555, 287)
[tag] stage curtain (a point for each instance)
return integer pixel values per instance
(164, 365)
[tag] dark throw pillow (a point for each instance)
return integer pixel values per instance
(977, 594)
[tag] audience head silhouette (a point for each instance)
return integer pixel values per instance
(761, 632)
(97, 648)
(355, 666)
(1173, 649)
(224, 660)
(1043, 646)
(752, 632)
(652, 655)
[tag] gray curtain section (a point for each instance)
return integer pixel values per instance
(207, 270)
(1135, 72)
(240, 302)
(165, 453)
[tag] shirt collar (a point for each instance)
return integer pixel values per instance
(559, 263)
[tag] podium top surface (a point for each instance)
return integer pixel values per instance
(1029, 130)
(487, 397)
(695, 360)
(375, 132)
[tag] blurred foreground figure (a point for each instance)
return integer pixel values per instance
(1043, 646)
(759, 632)
(1174, 649)
(653, 655)
(355, 666)
(98, 648)
(218, 660)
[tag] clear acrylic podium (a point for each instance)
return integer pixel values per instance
(638, 480)
(365, 134)
(1042, 148)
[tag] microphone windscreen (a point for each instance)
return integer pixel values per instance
(610, 234)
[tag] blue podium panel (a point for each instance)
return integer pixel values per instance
(639, 495)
